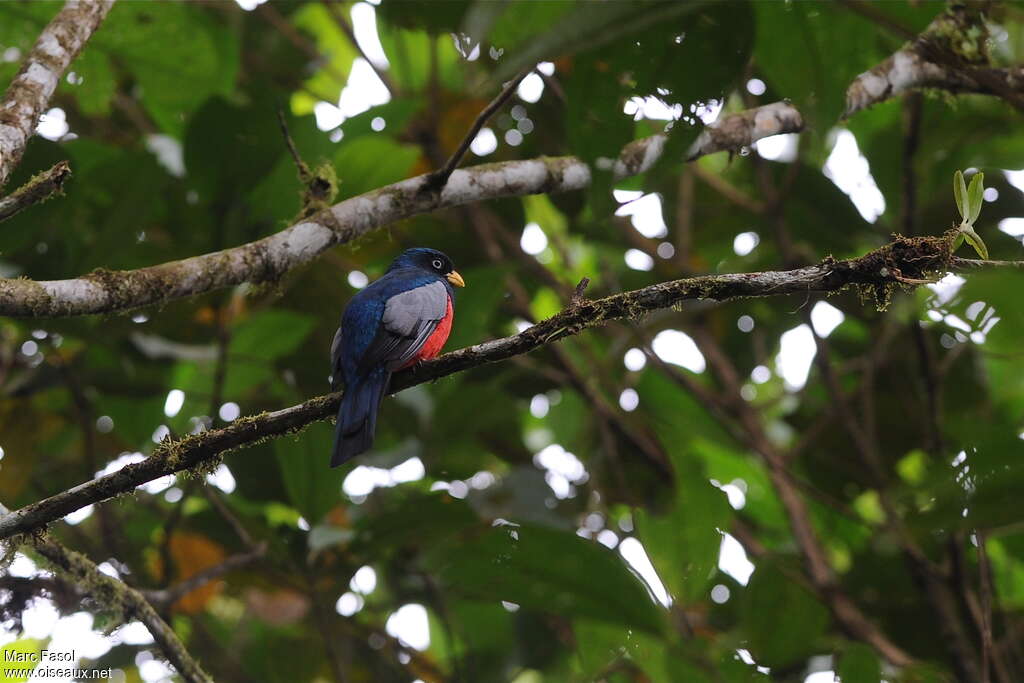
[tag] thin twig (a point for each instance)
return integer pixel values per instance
(303, 169)
(165, 598)
(818, 568)
(35, 191)
(437, 180)
(985, 580)
(912, 105)
(871, 12)
(965, 263)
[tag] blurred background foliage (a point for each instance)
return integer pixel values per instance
(579, 514)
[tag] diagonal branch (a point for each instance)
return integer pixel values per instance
(104, 291)
(168, 596)
(120, 598)
(438, 178)
(950, 54)
(37, 190)
(729, 133)
(30, 91)
(817, 565)
(877, 270)
(115, 594)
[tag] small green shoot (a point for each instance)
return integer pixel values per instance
(968, 202)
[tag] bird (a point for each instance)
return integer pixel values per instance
(396, 321)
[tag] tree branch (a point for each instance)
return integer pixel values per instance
(744, 128)
(104, 291)
(120, 598)
(945, 57)
(731, 132)
(29, 93)
(878, 271)
(168, 596)
(438, 178)
(817, 566)
(117, 595)
(35, 191)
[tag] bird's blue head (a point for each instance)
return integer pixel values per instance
(430, 260)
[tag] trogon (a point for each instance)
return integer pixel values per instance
(398, 320)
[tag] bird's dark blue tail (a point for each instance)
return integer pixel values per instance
(357, 416)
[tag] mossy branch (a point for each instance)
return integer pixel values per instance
(29, 93)
(35, 191)
(904, 262)
(268, 259)
(118, 598)
(951, 55)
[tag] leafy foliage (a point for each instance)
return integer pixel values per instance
(520, 504)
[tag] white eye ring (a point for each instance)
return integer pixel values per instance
(437, 263)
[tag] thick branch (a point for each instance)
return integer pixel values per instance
(944, 56)
(29, 93)
(880, 270)
(103, 291)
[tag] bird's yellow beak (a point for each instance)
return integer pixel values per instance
(456, 279)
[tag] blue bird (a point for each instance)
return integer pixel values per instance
(397, 321)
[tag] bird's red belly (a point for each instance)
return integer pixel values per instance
(435, 342)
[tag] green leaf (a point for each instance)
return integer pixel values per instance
(312, 486)
(334, 45)
(859, 664)
(974, 240)
(684, 544)
(369, 162)
(591, 25)
(780, 617)
(550, 571)
(188, 66)
(98, 83)
(271, 334)
(960, 194)
(975, 196)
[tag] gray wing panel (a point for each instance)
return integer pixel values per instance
(336, 373)
(405, 313)
(409, 319)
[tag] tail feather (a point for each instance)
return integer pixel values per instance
(357, 417)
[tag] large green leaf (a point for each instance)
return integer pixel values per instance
(270, 334)
(550, 571)
(197, 57)
(312, 487)
(781, 619)
(367, 163)
(337, 50)
(684, 543)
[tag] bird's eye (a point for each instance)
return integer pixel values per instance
(437, 263)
